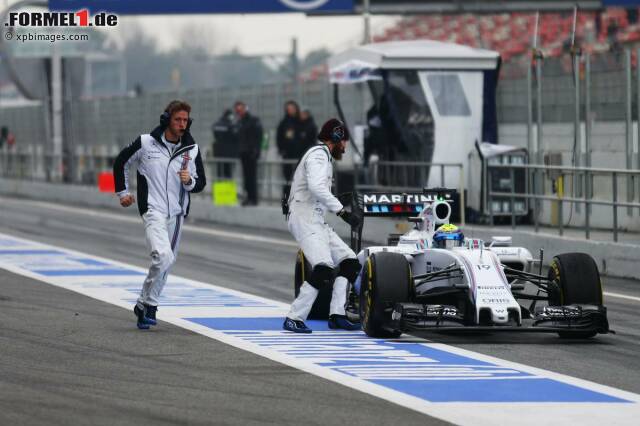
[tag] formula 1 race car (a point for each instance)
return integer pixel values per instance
(433, 278)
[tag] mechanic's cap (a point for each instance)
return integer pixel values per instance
(334, 130)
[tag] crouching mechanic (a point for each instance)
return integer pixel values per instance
(169, 168)
(309, 200)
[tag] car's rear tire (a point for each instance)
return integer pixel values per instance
(320, 309)
(577, 281)
(387, 280)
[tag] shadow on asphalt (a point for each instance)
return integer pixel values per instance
(510, 338)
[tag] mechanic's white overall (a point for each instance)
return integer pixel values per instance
(163, 237)
(309, 200)
(166, 203)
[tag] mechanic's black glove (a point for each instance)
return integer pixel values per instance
(346, 198)
(350, 218)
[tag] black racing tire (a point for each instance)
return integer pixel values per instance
(577, 281)
(320, 308)
(387, 280)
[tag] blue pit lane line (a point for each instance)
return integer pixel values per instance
(29, 252)
(85, 272)
(404, 372)
(87, 266)
(412, 368)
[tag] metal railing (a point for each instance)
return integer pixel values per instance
(270, 176)
(543, 177)
(31, 165)
(83, 169)
(120, 117)
(402, 176)
(571, 192)
(271, 180)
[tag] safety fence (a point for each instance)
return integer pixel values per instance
(603, 85)
(577, 197)
(271, 182)
(553, 196)
(380, 176)
(35, 166)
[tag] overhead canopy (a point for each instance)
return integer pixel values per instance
(365, 62)
(489, 150)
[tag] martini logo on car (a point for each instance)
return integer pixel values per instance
(399, 198)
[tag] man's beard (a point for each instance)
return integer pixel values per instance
(176, 134)
(336, 152)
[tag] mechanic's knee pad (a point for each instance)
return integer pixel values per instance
(162, 259)
(321, 276)
(349, 268)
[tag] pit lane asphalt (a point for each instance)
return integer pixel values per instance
(96, 368)
(69, 359)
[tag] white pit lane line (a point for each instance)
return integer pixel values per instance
(622, 296)
(212, 232)
(374, 366)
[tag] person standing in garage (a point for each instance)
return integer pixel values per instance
(249, 134)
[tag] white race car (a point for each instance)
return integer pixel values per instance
(432, 278)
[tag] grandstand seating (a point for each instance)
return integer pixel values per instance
(512, 34)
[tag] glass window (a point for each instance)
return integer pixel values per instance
(449, 95)
(414, 120)
(517, 159)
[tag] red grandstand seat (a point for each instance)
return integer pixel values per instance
(511, 35)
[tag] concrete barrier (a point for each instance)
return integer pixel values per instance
(615, 259)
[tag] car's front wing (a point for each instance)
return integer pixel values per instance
(546, 319)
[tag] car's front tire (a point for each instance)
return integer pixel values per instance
(576, 280)
(387, 280)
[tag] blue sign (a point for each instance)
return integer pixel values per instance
(623, 3)
(149, 7)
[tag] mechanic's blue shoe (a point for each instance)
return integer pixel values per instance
(150, 314)
(341, 322)
(143, 322)
(296, 326)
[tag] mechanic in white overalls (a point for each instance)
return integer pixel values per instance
(309, 201)
(169, 169)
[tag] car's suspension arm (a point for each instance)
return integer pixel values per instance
(443, 274)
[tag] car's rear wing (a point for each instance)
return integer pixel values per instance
(397, 204)
(390, 204)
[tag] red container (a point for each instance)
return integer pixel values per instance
(106, 182)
